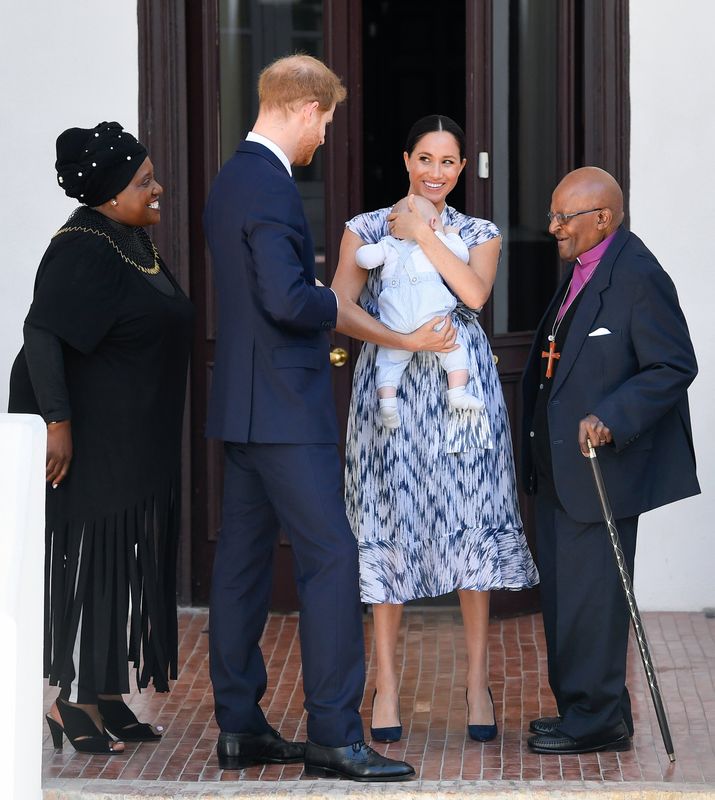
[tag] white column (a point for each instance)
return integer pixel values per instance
(23, 440)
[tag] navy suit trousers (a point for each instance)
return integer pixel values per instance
(299, 488)
(586, 618)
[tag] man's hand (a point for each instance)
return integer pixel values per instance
(59, 452)
(592, 428)
(438, 335)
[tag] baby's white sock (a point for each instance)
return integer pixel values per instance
(459, 399)
(388, 412)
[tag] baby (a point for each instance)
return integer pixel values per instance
(413, 293)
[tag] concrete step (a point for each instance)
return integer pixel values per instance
(84, 789)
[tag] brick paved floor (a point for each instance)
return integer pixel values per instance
(433, 708)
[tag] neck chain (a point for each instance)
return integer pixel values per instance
(152, 270)
(558, 320)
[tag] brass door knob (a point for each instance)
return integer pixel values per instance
(495, 359)
(338, 357)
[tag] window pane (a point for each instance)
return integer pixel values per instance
(308, 16)
(252, 33)
(237, 81)
(524, 158)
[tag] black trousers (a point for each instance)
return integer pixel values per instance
(300, 488)
(586, 617)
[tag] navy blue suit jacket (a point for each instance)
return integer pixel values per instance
(271, 380)
(635, 379)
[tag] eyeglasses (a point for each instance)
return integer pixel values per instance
(562, 219)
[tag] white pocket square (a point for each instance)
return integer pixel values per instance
(600, 332)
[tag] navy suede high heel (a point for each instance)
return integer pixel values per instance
(482, 733)
(392, 734)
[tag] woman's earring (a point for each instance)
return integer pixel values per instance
(113, 202)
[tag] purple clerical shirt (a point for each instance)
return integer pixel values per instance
(583, 270)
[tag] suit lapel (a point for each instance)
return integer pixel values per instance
(588, 309)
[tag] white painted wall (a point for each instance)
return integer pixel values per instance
(62, 64)
(672, 209)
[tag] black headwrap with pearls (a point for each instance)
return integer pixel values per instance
(95, 164)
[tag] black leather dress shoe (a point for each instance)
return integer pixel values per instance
(544, 725)
(559, 743)
(240, 750)
(357, 762)
(547, 725)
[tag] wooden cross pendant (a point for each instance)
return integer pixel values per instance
(551, 355)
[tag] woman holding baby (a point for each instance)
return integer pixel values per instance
(432, 499)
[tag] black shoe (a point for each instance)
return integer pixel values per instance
(121, 722)
(559, 743)
(357, 762)
(545, 725)
(80, 729)
(240, 750)
(391, 734)
(482, 733)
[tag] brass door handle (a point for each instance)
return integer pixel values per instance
(338, 357)
(495, 359)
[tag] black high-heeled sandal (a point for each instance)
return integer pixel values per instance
(121, 722)
(80, 729)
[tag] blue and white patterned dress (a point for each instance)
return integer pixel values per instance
(433, 504)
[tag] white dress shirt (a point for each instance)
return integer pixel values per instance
(252, 136)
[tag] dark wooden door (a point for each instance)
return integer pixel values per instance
(540, 87)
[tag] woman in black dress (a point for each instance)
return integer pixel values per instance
(106, 347)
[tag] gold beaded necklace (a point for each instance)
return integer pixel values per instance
(153, 270)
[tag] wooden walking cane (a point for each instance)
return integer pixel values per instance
(627, 584)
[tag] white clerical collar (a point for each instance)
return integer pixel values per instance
(252, 136)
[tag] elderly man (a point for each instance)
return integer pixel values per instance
(611, 362)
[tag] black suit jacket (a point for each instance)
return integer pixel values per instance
(635, 379)
(271, 381)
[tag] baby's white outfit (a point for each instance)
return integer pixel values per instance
(412, 293)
